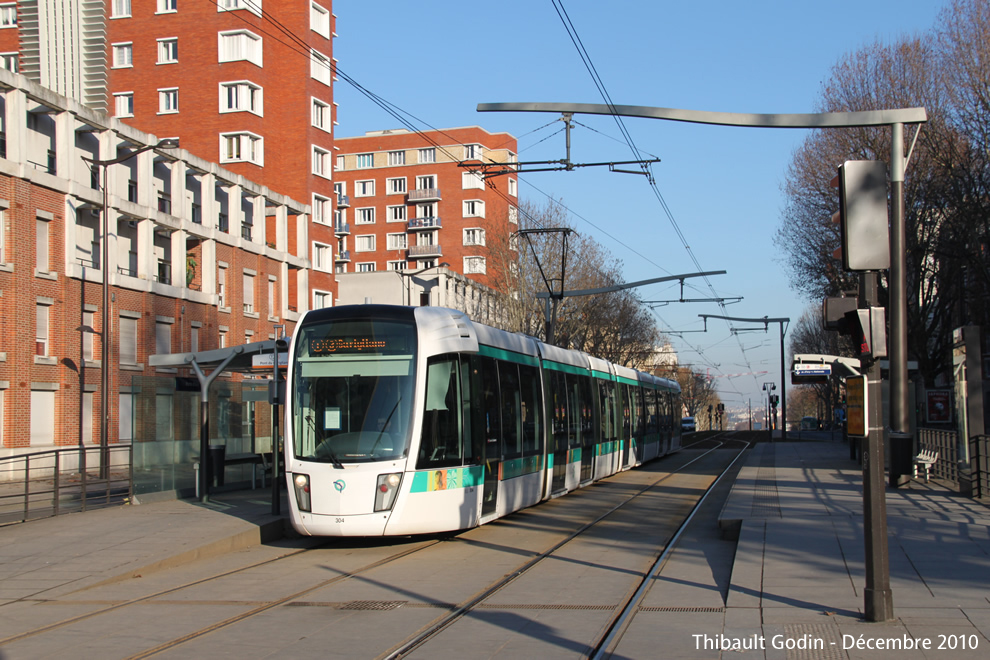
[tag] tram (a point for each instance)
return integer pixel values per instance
(412, 420)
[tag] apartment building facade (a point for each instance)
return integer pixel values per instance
(247, 84)
(173, 281)
(411, 201)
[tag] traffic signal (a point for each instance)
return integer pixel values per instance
(862, 215)
(834, 312)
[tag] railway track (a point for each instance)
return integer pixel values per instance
(451, 612)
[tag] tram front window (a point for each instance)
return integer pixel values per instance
(353, 390)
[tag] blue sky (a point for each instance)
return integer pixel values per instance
(438, 60)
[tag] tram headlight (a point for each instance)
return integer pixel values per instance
(388, 486)
(300, 483)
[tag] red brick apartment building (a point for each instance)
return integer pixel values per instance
(247, 84)
(176, 283)
(412, 200)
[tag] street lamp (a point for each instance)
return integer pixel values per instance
(769, 388)
(443, 264)
(104, 165)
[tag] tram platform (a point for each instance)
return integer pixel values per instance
(795, 574)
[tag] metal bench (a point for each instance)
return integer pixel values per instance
(925, 459)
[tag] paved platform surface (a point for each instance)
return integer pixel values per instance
(795, 576)
(798, 571)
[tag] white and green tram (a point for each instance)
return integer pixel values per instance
(412, 420)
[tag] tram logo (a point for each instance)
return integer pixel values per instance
(339, 485)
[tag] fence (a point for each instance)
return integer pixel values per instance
(979, 452)
(946, 444)
(50, 483)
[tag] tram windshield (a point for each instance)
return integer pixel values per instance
(353, 390)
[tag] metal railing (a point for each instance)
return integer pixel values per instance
(68, 480)
(979, 453)
(946, 444)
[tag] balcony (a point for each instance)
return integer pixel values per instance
(424, 195)
(342, 228)
(343, 201)
(343, 255)
(423, 223)
(246, 232)
(424, 251)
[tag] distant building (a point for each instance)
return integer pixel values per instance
(410, 201)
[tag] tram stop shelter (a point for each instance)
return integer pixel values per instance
(257, 358)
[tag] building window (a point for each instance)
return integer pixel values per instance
(168, 51)
(339, 165)
(428, 155)
(241, 147)
(426, 182)
(364, 243)
(514, 215)
(513, 188)
(123, 55)
(221, 287)
(194, 339)
(272, 283)
(322, 257)
(167, 6)
(3, 235)
(168, 101)
(321, 162)
(230, 5)
(396, 186)
(472, 152)
(471, 180)
(396, 214)
(89, 319)
(123, 104)
(120, 9)
(396, 265)
(248, 293)
(474, 237)
(364, 161)
(396, 158)
(397, 241)
(8, 15)
(366, 216)
(222, 339)
(241, 96)
(474, 266)
(367, 267)
(163, 338)
(319, 20)
(321, 115)
(238, 45)
(474, 208)
(320, 68)
(322, 299)
(42, 247)
(128, 340)
(322, 209)
(364, 188)
(41, 330)
(42, 418)
(10, 61)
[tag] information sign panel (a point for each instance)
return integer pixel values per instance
(857, 408)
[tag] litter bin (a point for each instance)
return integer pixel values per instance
(901, 458)
(217, 458)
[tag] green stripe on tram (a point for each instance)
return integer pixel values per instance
(508, 356)
(565, 368)
(517, 467)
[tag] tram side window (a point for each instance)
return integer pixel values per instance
(532, 414)
(573, 410)
(638, 423)
(440, 441)
(606, 402)
(512, 406)
(651, 411)
(489, 408)
(625, 404)
(557, 401)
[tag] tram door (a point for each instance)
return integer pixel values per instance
(585, 424)
(487, 384)
(625, 407)
(606, 420)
